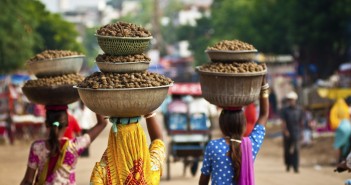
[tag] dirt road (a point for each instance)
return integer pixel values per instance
(269, 168)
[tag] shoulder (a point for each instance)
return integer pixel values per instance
(84, 138)
(214, 142)
(259, 127)
(38, 144)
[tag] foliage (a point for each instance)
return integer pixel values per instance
(318, 30)
(199, 38)
(57, 33)
(17, 34)
(91, 45)
(27, 28)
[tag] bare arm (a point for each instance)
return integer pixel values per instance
(264, 105)
(98, 128)
(153, 128)
(28, 177)
(204, 179)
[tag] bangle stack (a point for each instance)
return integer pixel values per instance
(265, 91)
(150, 115)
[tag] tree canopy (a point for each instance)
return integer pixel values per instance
(317, 31)
(27, 28)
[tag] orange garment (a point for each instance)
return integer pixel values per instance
(250, 114)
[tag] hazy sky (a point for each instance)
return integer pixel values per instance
(68, 5)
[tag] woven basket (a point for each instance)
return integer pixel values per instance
(230, 56)
(230, 90)
(59, 95)
(123, 45)
(128, 102)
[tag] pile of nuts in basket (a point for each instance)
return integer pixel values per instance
(112, 76)
(232, 78)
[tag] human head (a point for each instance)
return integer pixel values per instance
(233, 125)
(56, 121)
(291, 98)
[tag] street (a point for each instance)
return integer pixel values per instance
(269, 169)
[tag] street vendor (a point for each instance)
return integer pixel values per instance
(128, 160)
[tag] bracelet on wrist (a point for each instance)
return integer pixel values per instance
(264, 93)
(150, 116)
(265, 86)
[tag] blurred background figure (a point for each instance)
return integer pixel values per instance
(251, 118)
(177, 105)
(85, 119)
(292, 124)
(342, 139)
(73, 128)
(307, 128)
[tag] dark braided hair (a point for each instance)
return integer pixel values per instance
(53, 116)
(233, 124)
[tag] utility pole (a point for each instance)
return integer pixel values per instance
(156, 25)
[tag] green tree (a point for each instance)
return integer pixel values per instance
(199, 38)
(57, 33)
(17, 33)
(27, 28)
(316, 29)
(91, 45)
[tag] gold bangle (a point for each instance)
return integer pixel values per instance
(150, 116)
(264, 93)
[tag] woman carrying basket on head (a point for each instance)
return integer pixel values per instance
(128, 160)
(229, 160)
(54, 159)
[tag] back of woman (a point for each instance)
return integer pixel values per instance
(60, 168)
(229, 160)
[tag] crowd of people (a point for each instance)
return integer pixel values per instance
(228, 160)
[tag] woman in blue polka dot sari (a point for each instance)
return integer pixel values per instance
(229, 160)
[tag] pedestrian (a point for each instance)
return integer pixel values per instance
(53, 160)
(229, 160)
(9, 123)
(128, 160)
(251, 118)
(307, 128)
(73, 129)
(292, 125)
(342, 138)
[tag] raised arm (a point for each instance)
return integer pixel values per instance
(98, 128)
(153, 127)
(264, 103)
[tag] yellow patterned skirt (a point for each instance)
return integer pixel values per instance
(128, 160)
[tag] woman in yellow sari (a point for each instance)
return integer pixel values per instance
(128, 160)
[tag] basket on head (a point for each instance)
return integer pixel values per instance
(56, 66)
(230, 56)
(127, 102)
(127, 67)
(58, 95)
(230, 90)
(123, 45)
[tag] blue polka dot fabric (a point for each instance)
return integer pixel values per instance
(216, 162)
